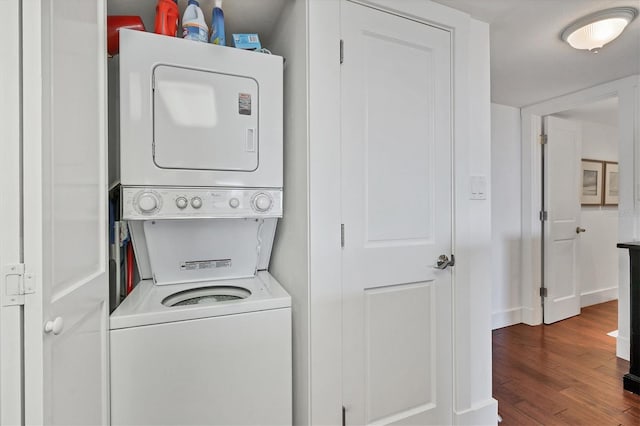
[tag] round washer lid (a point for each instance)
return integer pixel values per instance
(206, 295)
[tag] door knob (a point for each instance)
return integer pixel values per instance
(54, 326)
(579, 230)
(443, 261)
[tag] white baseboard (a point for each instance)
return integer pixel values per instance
(480, 414)
(531, 317)
(506, 318)
(598, 296)
(623, 347)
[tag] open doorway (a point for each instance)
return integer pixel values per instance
(579, 194)
(626, 90)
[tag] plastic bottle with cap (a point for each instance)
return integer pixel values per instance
(217, 24)
(194, 26)
(167, 15)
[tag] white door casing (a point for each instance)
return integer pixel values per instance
(562, 200)
(10, 248)
(65, 211)
(396, 210)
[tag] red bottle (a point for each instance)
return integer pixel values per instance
(167, 18)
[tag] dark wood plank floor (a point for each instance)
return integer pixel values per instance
(566, 373)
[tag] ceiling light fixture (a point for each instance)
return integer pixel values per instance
(595, 30)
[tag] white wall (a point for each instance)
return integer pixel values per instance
(472, 276)
(290, 258)
(598, 261)
(506, 220)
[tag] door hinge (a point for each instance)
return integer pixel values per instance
(344, 416)
(17, 283)
(342, 235)
(341, 51)
(544, 216)
(543, 292)
(543, 139)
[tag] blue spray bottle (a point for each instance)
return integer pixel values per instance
(217, 25)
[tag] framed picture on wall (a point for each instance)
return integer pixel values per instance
(591, 188)
(610, 184)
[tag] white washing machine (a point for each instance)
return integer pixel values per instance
(205, 336)
(214, 353)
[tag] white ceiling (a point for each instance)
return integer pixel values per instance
(604, 112)
(529, 61)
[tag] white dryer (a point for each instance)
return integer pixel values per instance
(197, 114)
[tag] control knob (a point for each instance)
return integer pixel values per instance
(262, 202)
(196, 202)
(182, 203)
(148, 202)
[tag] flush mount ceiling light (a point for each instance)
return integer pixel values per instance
(595, 30)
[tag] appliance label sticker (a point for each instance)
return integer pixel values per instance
(205, 264)
(244, 103)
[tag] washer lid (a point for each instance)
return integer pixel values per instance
(183, 251)
(144, 306)
(206, 295)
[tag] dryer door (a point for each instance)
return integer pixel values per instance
(204, 120)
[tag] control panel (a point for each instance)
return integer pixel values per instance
(181, 203)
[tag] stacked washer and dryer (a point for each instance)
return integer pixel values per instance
(205, 336)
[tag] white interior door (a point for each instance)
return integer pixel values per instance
(562, 200)
(10, 248)
(65, 212)
(396, 208)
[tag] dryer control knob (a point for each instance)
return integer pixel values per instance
(196, 202)
(148, 202)
(262, 202)
(234, 203)
(182, 202)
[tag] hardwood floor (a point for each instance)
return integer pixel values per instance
(566, 373)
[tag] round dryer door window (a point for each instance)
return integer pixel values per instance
(206, 295)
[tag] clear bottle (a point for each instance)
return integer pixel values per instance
(194, 26)
(217, 24)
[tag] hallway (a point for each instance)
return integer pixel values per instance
(563, 374)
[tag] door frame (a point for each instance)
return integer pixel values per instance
(473, 402)
(627, 90)
(11, 311)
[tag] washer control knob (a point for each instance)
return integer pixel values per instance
(182, 202)
(196, 202)
(234, 203)
(262, 202)
(148, 202)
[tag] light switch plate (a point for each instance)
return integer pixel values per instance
(478, 187)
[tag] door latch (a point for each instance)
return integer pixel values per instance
(443, 261)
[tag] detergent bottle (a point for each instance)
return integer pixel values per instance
(167, 18)
(194, 26)
(217, 24)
